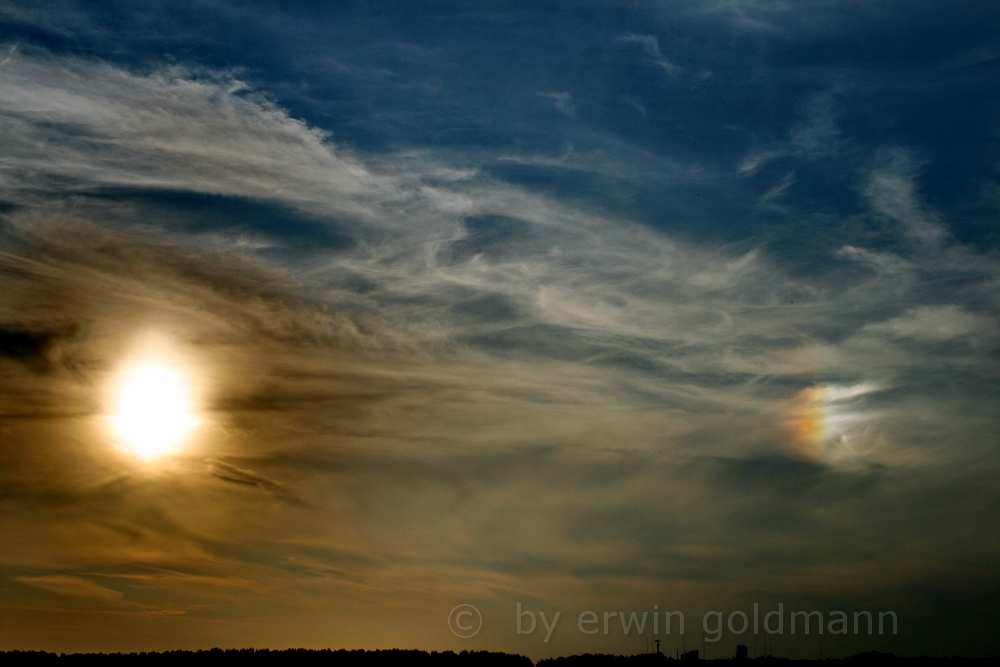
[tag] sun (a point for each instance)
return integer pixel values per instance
(153, 413)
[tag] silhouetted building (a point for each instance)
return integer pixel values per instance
(741, 652)
(690, 655)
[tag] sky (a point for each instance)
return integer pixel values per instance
(538, 307)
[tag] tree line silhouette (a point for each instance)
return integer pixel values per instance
(249, 657)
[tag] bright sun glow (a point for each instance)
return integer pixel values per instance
(154, 414)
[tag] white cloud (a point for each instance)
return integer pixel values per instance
(839, 393)
(815, 137)
(650, 45)
(892, 191)
(92, 125)
(935, 324)
(882, 262)
(563, 101)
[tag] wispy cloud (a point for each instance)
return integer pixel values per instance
(77, 587)
(483, 388)
(650, 45)
(892, 191)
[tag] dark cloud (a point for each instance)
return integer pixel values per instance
(231, 473)
(32, 348)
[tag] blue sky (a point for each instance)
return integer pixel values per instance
(579, 305)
